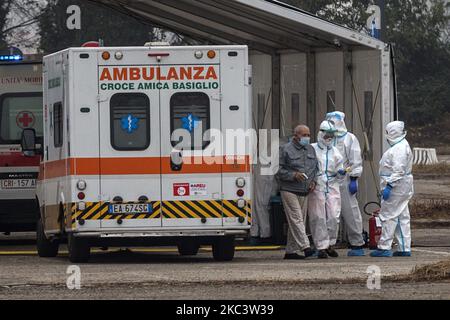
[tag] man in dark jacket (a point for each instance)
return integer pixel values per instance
(296, 178)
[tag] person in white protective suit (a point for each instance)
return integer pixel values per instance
(324, 203)
(396, 181)
(348, 146)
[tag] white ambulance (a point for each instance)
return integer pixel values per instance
(20, 108)
(111, 172)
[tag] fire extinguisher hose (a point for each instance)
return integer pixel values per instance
(371, 207)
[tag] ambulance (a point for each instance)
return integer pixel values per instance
(20, 108)
(113, 172)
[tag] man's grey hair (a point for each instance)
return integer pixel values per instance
(300, 127)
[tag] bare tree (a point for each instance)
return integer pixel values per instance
(4, 11)
(18, 22)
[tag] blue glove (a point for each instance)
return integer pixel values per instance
(353, 186)
(387, 192)
(342, 172)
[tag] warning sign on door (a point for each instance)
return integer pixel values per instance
(189, 189)
(181, 189)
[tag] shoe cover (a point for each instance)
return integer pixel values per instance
(381, 253)
(402, 254)
(356, 253)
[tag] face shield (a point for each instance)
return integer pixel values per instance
(338, 118)
(326, 134)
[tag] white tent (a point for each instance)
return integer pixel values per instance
(303, 66)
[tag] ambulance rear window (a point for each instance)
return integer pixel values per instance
(130, 121)
(19, 111)
(190, 111)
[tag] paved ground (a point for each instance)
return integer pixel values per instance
(432, 188)
(159, 273)
(444, 157)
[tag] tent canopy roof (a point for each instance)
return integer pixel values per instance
(264, 25)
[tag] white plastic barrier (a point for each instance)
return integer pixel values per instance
(425, 156)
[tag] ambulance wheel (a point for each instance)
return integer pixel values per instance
(79, 249)
(188, 248)
(46, 248)
(223, 249)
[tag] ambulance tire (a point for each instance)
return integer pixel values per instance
(223, 249)
(79, 249)
(46, 248)
(188, 248)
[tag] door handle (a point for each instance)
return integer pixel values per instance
(176, 161)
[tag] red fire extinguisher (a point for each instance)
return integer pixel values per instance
(373, 209)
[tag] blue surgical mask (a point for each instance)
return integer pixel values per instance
(304, 141)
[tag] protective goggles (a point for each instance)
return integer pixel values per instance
(328, 134)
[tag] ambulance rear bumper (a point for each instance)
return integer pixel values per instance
(161, 233)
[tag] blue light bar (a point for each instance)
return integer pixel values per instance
(15, 57)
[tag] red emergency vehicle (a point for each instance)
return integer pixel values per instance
(20, 108)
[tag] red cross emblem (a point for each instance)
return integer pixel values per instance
(25, 119)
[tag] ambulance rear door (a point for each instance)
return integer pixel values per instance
(190, 104)
(129, 142)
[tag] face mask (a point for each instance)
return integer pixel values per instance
(325, 139)
(304, 141)
(327, 142)
(394, 139)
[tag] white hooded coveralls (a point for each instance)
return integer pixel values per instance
(348, 145)
(324, 203)
(395, 170)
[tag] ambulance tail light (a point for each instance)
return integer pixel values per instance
(240, 193)
(241, 203)
(240, 182)
(81, 195)
(81, 205)
(81, 185)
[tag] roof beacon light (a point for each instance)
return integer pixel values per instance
(11, 54)
(8, 57)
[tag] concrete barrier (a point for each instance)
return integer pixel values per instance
(425, 156)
